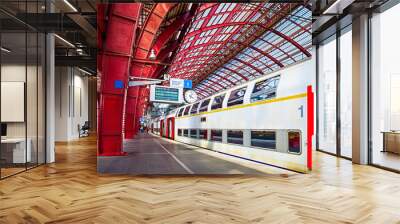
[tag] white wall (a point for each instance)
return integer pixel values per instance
(33, 126)
(71, 102)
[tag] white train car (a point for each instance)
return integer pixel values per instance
(268, 120)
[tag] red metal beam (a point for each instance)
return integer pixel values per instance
(169, 32)
(222, 25)
(266, 24)
(249, 65)
(183, 21)
(290, 40)
(222, 77)
(267, 55)
(237, 73)
(212, 87)
(115, 61)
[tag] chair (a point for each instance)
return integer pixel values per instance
(84, 130)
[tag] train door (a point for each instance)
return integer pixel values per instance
(161, 127)
(170, 128)
(167, 128)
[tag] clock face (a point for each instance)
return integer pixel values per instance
(190, 96)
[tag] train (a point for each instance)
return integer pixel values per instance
(268, 120)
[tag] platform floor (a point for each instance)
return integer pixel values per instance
(71, 191)
(149, 154)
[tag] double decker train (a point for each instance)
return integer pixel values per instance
(269, 120)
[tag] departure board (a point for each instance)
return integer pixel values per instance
(166, 94)
(169, 94)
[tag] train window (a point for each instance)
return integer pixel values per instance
(194, 108)
(265, 89)
(179, 132)
(216, 135)
(235, 137)
(186, 132)
(193, 133)
(294, 142)
(186, 112)
(217, 102)
(204, 105)
(263, 139)
(203, 134)
(236, 97)
(180, 112)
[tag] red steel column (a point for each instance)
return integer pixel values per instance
(310, 125)
(130, 118)
(118, 44)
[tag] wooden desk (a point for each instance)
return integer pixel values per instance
(16, 147)
(391, 141)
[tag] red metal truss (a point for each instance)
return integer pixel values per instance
(237, 27)
(267, 55)
(273, 47)
(220, 31)
(142, 50)
(116, 55)
(277, 51)
(251, 25)
(301, 48)
(277, 12)
(237, 73)
(228, 80)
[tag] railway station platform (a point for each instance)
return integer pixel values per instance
(149, 154)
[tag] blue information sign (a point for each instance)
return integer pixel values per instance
(187, 84)
(118, 84)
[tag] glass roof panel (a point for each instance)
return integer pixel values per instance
(214, 35)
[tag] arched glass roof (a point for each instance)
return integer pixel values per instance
(230, 43)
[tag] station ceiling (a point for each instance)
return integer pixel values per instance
(226, 44)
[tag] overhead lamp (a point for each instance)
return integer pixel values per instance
(70, 5)
(166, 77)
(5, 50)
(64, 40)
(152, 55)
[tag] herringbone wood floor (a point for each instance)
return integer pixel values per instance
(70, 191)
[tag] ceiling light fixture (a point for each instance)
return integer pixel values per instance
(5, 50)
(64, 40)
(152, 55)
(70, 5)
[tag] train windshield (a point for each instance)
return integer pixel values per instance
(265, 89)
(217, 102)
(237, 96)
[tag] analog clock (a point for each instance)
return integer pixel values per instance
(190, 96)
